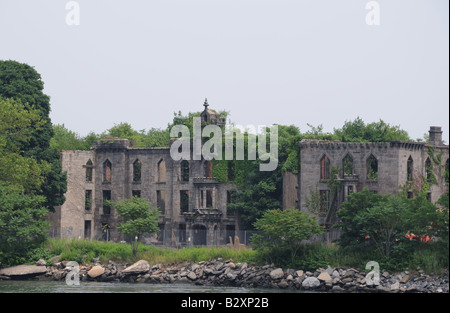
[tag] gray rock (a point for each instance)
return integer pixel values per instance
(283, 284)
(219, 267)
(231, 276)
(329, 270)
(337, 288)
(192, 276)
(140, 267)
(183, 280)
(277, 274)
(311, 282)
(395, 287)
(405, 279)
(41, 262)
(335, 274)
(23, 270)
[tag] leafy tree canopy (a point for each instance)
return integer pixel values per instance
(358, 131)
(138, 218)
(23, 84)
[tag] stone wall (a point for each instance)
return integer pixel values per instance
(392, 158)
(113, 172)
(68, 221)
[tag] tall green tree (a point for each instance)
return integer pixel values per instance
(23, 83)
(138, 217)
(23, 226)
(18, 122)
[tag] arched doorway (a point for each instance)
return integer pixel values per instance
(199, 235)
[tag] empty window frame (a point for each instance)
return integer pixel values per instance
(136, 193)
(324, 167)
(209, 198)
(324, 200)
(409, 169)
(161, 171)
(161, 201)
(372, 168)
(87, 199)
(350, 190)
(184, 171)
(107, 169)
(106, 202)
(89, 169)
(347, 165)
(182, 232)
(87, 229)
(137, 169)
(184, 201)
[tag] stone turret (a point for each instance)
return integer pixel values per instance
(435, 136)
(210, 117)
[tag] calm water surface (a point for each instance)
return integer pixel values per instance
(99, 287)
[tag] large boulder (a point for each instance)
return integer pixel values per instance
(311, 282)
(23, 271)
(96, 271)
(140, 267)
(324, 276)
(277, 273)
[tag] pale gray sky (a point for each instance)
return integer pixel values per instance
(265, 61)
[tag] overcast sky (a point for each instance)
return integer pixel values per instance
(265, 61)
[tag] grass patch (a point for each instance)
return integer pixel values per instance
(429, 258)
(80, 251)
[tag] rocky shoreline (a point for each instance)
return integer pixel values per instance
(227, 273)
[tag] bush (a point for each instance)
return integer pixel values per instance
(284, 230)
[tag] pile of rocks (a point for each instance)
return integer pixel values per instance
(228, 273)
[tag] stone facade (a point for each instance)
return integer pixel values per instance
(381, 167)
(193, 204)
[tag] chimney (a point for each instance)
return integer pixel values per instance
(435, 136)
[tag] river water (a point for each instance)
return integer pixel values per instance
(31, 286)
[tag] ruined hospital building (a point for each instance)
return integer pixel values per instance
(381, 167)
(192, 204)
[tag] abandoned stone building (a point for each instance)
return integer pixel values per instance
(382, 167)
(192, 204)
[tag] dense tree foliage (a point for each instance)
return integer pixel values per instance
(18, 122)
(138, 217)
(358, 131)
(396, 227)
(284, 229)
(23, 83)
(23, 226)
